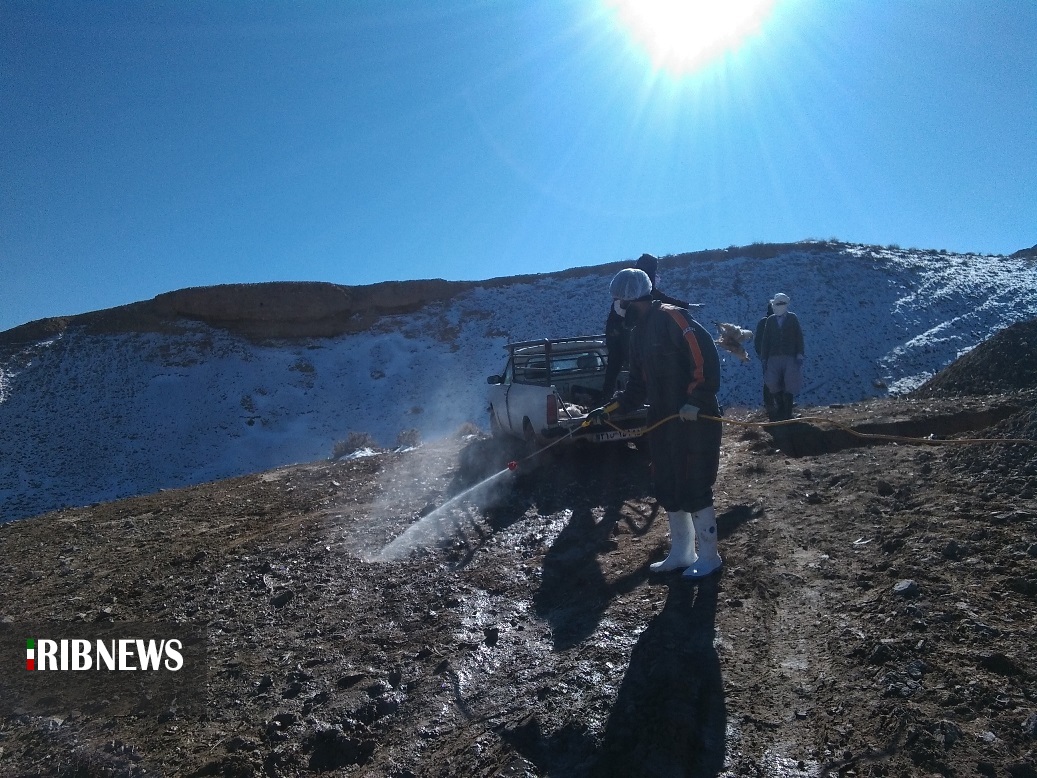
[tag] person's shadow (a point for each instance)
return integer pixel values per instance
(669, 718)
(574, 590)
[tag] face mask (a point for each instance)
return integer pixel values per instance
(780, 309)
(617, 306)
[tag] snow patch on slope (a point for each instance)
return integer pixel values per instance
(96, 417)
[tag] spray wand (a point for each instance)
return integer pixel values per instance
(611, 407)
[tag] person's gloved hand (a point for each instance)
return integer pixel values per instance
(689, 412)
(600, 415)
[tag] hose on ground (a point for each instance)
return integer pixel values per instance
(818, 420)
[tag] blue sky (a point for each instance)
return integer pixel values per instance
(149, 146)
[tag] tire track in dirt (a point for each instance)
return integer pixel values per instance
(768, 614)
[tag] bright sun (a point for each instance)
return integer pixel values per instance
(682, 35)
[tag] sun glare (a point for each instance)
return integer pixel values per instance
(682, 35)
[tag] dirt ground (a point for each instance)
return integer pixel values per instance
(875, 615)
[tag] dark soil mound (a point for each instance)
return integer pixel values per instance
(1010, 468)
(1004, 363)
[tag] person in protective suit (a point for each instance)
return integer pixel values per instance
(675, 368)
(617, 334)
(781, 349)
(768, 399)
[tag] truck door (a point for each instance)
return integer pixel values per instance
(499, 394)
(507, 386)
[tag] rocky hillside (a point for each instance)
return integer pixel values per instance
(203, 384)
(875, 615)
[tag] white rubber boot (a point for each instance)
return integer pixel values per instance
(682, 544)
(709, 560)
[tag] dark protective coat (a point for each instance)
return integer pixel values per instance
(780, 340)
(781, 351)
(617, 338)
(674, 361)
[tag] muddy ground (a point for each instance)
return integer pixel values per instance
(875, 615)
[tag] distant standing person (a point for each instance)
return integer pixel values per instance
(617, 333)
(768, 399)
(675, 369)
(781, 348)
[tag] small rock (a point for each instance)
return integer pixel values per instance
(1030, 726)
(105, 614)
(916, 669)
(906, 588)
(952, 550)
(880, 654)
(885, 488)
(948, 733)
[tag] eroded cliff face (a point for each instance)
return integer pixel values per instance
(302, 309)
(280, 309)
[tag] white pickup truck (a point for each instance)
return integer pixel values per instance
(547, 388)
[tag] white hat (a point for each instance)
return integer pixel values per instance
(780, 298)
(630, 284)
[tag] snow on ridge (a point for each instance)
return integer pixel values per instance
(96, 417)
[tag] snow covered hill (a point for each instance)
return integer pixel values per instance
(89, 416)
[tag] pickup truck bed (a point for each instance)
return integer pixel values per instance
(548, 386)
